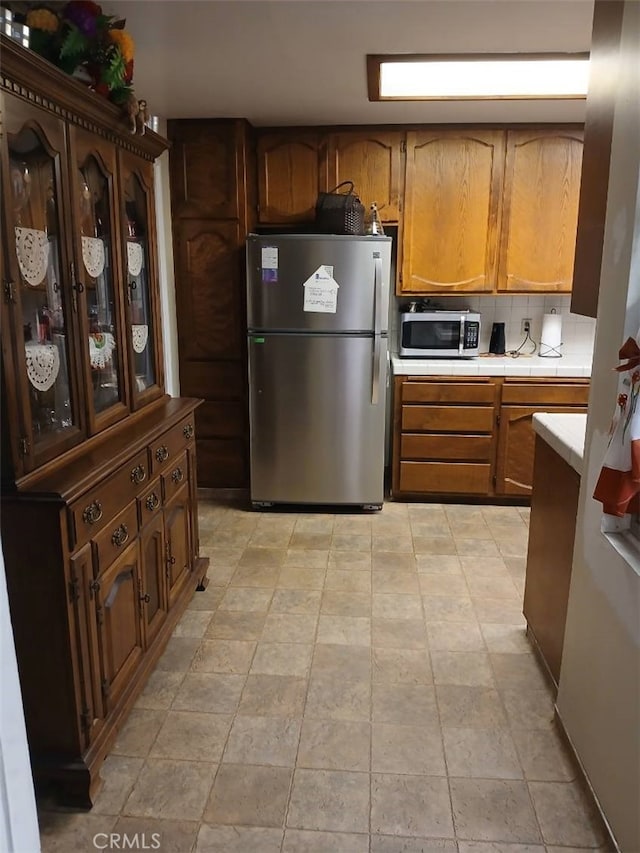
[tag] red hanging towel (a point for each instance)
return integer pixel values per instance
(618, 486)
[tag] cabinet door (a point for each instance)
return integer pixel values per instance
(177, 543)
(153, 591)
(452, 211)
(516, 445)
(139, 260)
(288, 177)
(39, 307)
(372, 162)
(117, 611)
(540, 218)
(98, 273)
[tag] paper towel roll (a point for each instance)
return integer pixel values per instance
(551, 337)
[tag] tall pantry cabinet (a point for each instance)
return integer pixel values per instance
(99, 499)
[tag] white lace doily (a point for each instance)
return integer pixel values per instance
(135, 257)
(101, 347)
(32, 249)
(43, 364)
(93, 255)
(139, 336)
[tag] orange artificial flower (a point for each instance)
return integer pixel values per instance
(123, 40)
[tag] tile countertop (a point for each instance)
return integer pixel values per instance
(564, 433)
(577, 366)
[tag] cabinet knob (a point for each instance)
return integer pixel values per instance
(162, 454)
(92, 513)
(120, 535)
(177, 476)
(152, 502)
(188, 431)
(138, 475)
(146, 598)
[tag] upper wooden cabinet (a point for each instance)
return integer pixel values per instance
(452, 211)
(288, 177)
(540, 217)
(373, 161)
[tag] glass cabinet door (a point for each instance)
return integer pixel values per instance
(98, 277)
(48, 397)
(140, 271)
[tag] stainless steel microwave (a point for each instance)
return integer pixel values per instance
(440, 334)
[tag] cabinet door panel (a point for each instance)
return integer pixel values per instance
(177, 543)
(154, 592)
(288, 177)
(372, 162)
(542, 186)
(452, 211)
(119, 625)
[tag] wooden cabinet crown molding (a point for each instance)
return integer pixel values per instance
(34, 79)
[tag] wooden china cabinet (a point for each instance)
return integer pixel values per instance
(99, 504)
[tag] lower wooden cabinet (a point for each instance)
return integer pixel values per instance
(101, 561)
(472, 436)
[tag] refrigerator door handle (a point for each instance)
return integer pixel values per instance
(377, 328)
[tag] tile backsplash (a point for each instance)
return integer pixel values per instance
(577, 331)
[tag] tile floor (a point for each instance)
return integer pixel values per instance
(347, 683)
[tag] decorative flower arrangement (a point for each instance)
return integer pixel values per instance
(81, 40)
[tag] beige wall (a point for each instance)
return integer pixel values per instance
(599, 695)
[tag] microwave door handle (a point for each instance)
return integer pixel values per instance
(377, 328)
(461, 343)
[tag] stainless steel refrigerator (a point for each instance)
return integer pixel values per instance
(317, 309)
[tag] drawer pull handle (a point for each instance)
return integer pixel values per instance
(92, 513)
(162, 454)
(188, 431)
(146, 598)
(152, 502)
(120, 535)
(177, 476)
(138, 475)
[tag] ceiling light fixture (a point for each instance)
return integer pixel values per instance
(509, 76)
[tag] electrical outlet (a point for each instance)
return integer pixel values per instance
(526, 326)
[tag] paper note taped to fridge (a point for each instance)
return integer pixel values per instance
(321, 292)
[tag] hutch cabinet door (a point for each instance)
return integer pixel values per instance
(139, 253)
(117, 611)
(39, 303)
(152, 581)
(177, 542)
(541, 193)
(373, 162)
(98, 272)
(452, 211)
(288, 177)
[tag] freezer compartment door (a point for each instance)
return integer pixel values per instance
(281, 269)
(317, 419)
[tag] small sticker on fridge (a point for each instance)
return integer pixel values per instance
(321, 291)
(269, 264)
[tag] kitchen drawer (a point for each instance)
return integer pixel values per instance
(445, 477)
(471, 447)
(448, 392)
(552, 394)
(448, 418)
(175, 476)
(150, 503)
(115, 537)
(97, 507)
(171, 443)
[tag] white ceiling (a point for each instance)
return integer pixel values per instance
(295, 62)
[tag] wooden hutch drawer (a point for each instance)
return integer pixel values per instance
(175, 476)
(150, 504)
(165, 449)
(96, 508)
(545, 394)
(448, 418)
(448, 392)
(115, 537)
(445, 477)
(472, 447)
